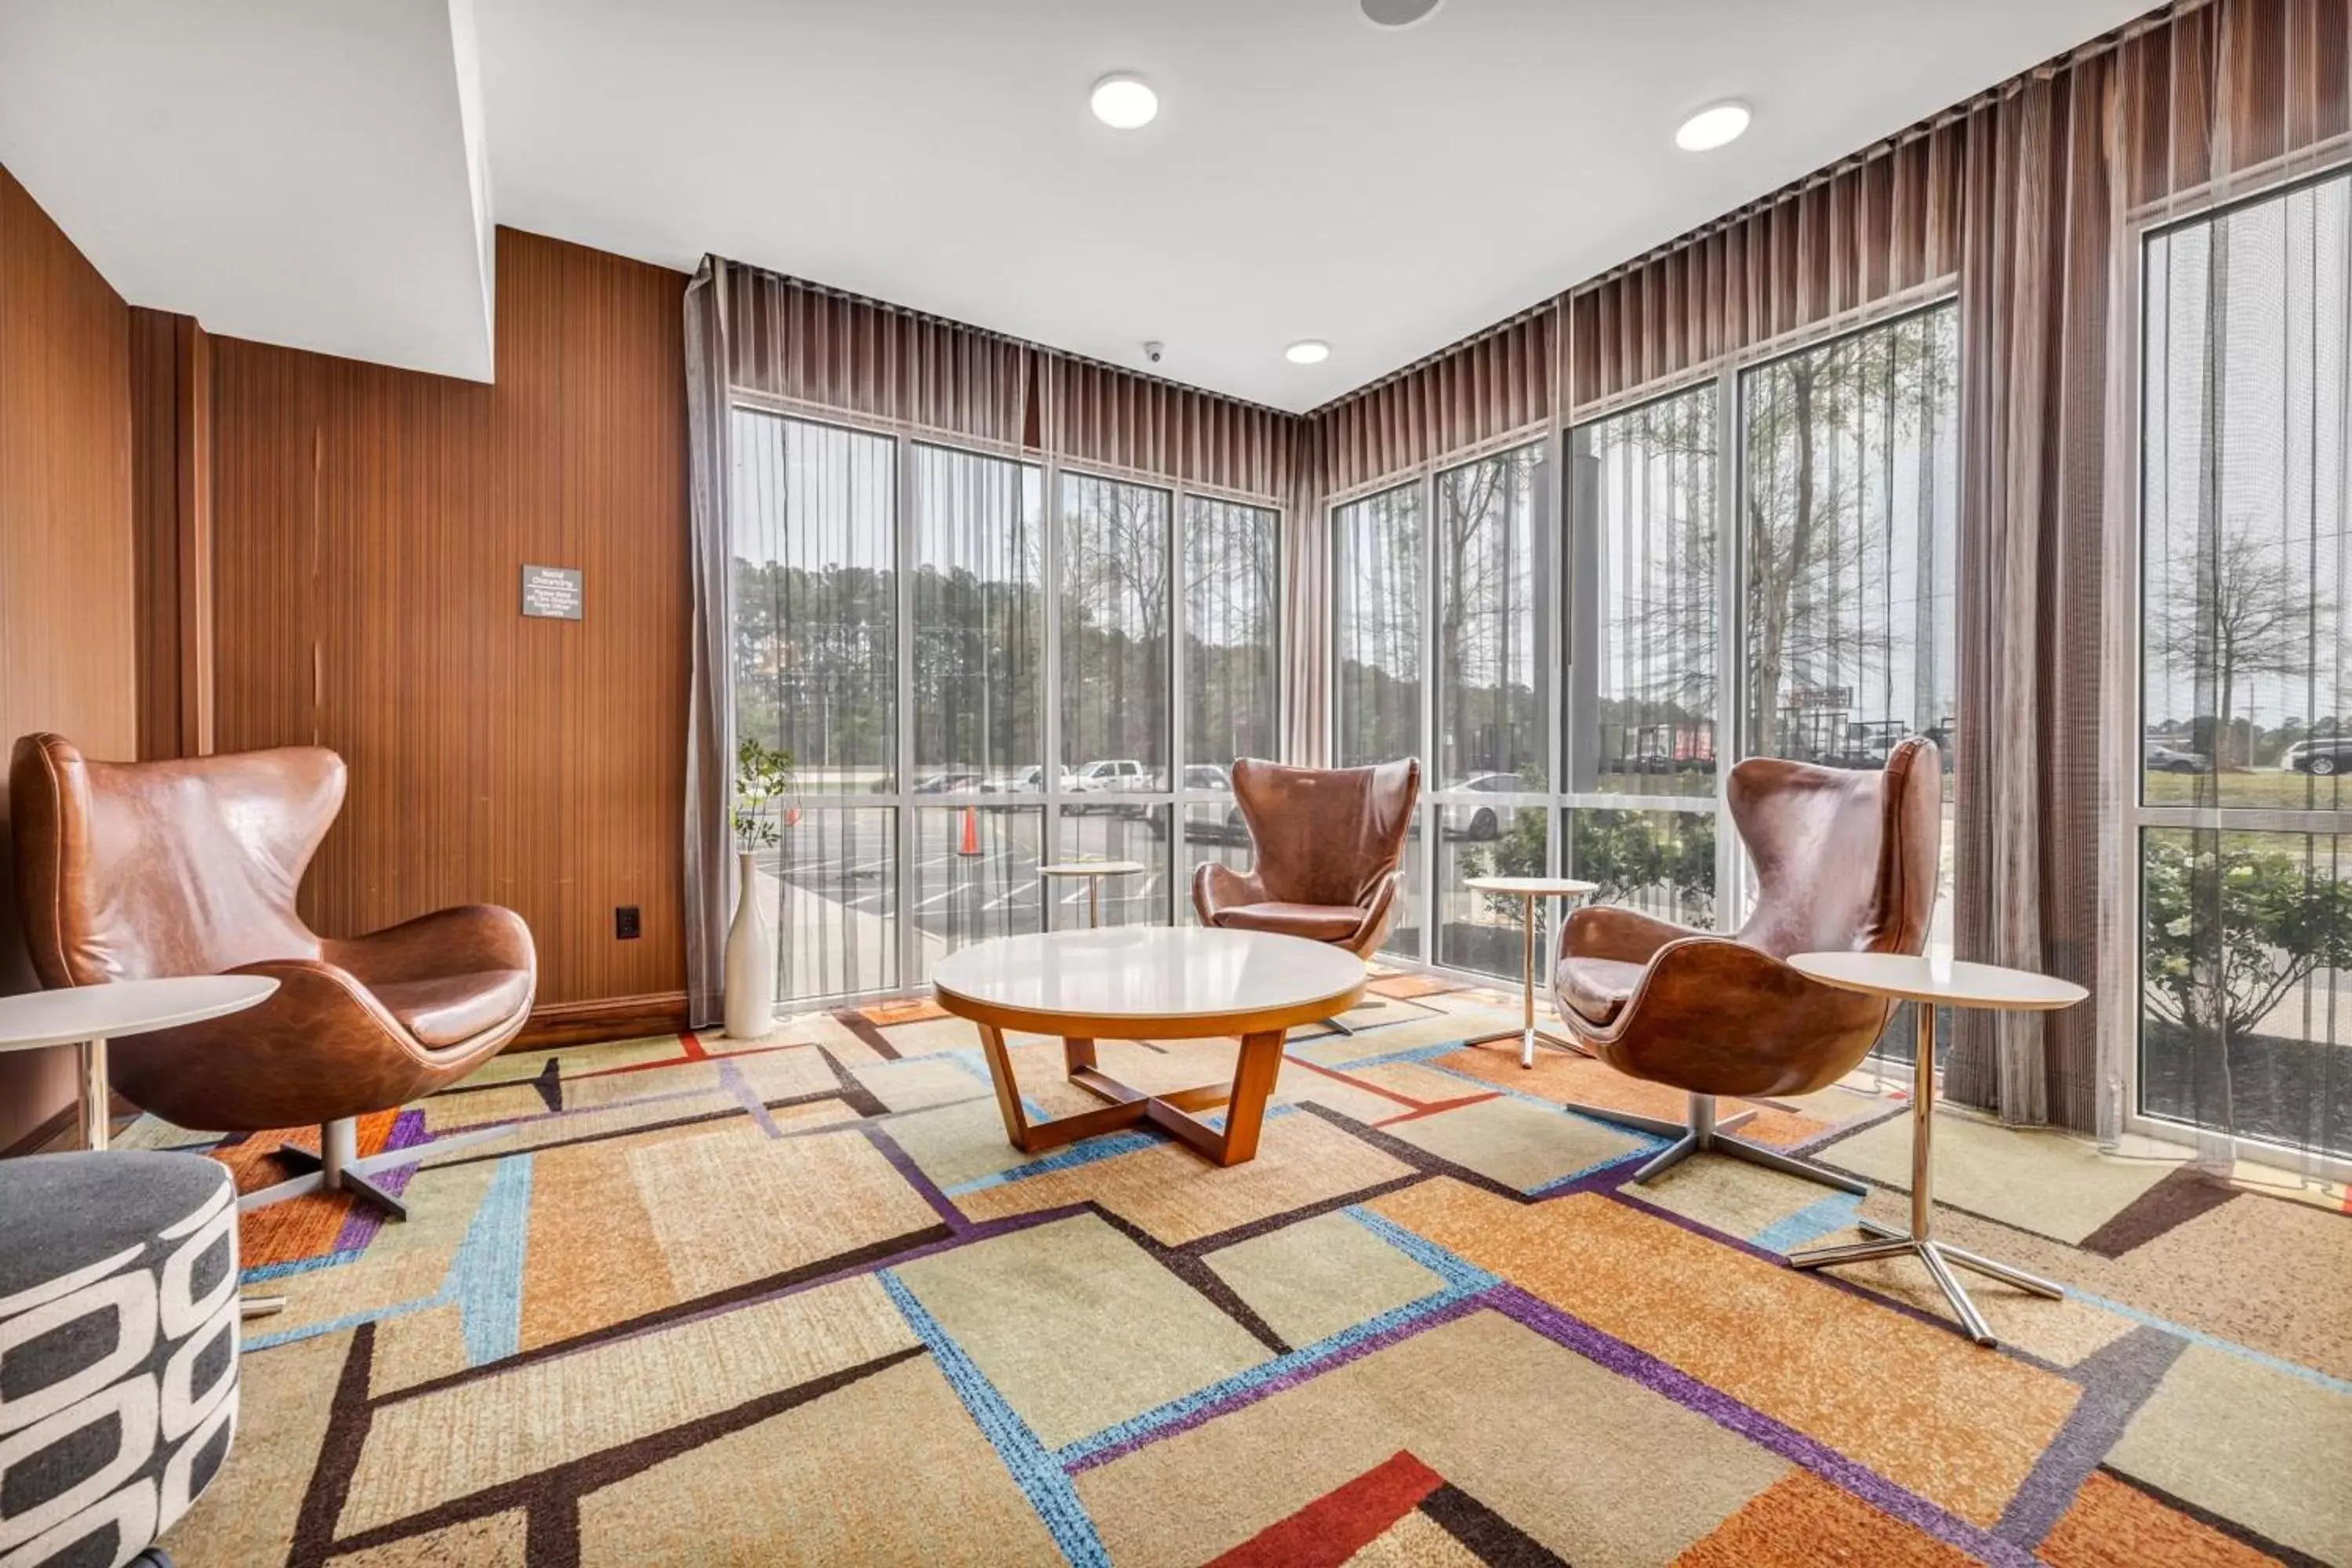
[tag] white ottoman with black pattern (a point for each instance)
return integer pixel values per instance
(118, 1351)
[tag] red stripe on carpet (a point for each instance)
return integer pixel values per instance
(1435, 1106)
(1338, 1525)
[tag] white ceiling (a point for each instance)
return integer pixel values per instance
(316, 180)
(308, 173)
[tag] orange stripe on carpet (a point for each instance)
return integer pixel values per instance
(1433, 1108)
(1339, 1524)
(1388, 1094)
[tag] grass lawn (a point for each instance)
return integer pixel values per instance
(2266, 788)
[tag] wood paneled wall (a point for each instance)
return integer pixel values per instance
(370, 529)
(171, 530)
(66, 568)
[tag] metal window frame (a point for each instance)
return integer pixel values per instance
(2123, 796)
(1725, 374)
(904, 943)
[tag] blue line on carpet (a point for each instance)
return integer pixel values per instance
(263, 1271)
(1086, 1152)
(1042, 1479)
(1793, 1232)
(484, 1280)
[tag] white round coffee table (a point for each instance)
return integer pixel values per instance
(1094, 871)
(1928, 981)
(1531, 891)
(90, 1015)
(1148, 982)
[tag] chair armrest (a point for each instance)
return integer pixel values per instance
(1606, 930)
(1217, 886)
(465, 939)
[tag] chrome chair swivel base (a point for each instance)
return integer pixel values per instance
(1939, 1257)
(1702, 1133)
(336, 1167)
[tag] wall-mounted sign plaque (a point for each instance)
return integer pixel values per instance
(551, 591)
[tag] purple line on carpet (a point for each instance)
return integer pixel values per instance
(731, 1080)
(361, 1224)
(1251, 1394)
(1684, 1390)
(912, 1173)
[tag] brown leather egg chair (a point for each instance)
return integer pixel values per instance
(136, 870)
(1330, 843)
(1845, 861)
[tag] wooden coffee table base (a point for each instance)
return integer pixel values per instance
(1254, 1072)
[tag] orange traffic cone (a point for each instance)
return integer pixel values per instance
(971, 832)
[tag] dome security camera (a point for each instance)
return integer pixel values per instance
(1153, 350)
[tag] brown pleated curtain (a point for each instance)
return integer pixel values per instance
(829, 353)
(2024, 202)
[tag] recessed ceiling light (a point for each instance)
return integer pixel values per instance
(1307, 351)
(1716, 125)
(1399, 12)
(1124, 101)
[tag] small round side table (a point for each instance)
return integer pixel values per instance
(1927, 981)
(1094, 871)
(88, 1016)
(1531, 891)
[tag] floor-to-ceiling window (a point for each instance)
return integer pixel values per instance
(1849, 506)
(2242, 837)
(1066, 667)
(1642, 677)
(816, 625)
(1489, 768)
(1379, 573)
(1757, 564)
(1116, 603)
(1228, 676)
(976, 541)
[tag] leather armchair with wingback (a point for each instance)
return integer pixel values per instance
(1845, 861)
(1329, 843)
(132, 870)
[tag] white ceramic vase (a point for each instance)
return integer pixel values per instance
(751, 960)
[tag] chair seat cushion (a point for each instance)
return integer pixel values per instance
(1316, 923)
(445, 1009)
(1598, 988)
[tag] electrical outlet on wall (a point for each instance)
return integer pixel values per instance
(625, 924)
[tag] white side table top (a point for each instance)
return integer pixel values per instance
(1092, 868)
(1937, 977)
(1531, 887)
(1149, 972)
(39, 1019)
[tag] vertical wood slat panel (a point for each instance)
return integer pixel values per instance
(371, 525)
(68, 572)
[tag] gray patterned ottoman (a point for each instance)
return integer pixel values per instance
(117, 1350)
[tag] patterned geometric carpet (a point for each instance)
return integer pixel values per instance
(799, 1301)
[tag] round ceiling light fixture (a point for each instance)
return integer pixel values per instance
(1307, 351)
(1399, 12)
(1716, 125)
(1124, 101)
